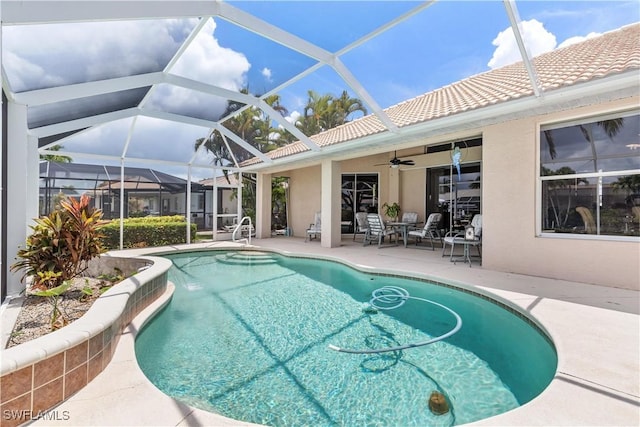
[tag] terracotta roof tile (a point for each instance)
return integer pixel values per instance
(611, 53)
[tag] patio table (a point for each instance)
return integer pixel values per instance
(466, 255)
(404, 228)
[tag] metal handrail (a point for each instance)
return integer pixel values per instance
(239, 227)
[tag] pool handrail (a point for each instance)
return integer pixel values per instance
(240, 227)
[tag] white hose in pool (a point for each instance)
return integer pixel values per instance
(389, 298)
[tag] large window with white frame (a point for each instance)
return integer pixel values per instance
(590, 176)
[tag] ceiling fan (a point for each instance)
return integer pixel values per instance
(396, 162)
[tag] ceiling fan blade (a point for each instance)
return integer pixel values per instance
(395, 162)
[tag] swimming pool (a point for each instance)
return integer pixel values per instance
(248, 335)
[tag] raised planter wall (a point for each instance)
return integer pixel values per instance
(37, 375)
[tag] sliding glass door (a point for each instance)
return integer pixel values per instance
(359, 194)
(458, 198)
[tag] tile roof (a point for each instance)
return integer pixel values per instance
(611, 53)
(221, 181)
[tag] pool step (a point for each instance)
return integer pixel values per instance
(246, 258)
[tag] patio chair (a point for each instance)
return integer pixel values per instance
(459, 238)
(410, 217)
(587, 218)
(431, 230)
(362, 226)
(315, 228)
(378, 230)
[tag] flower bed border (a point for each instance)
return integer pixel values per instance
(38, 375)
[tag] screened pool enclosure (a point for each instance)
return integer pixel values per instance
(137, 192)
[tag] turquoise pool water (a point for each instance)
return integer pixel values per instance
(248, 337)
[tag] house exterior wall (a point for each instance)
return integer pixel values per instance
(511, 204)
(413, 190)
(304, 192)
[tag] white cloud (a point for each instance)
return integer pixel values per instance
(266, 73)
(160, 139)
(38, 56)
(107, 139)
(293, 117)
(578, 39)
(537, 39)
(206, 61)
(274, 136)
(41, 56)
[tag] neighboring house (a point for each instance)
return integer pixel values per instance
(531, 153)
(147, 192)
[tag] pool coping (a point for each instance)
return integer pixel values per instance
(567, 388)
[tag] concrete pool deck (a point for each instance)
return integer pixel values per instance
(596, 331)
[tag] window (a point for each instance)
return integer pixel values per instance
(590, 176)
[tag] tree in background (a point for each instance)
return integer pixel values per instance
(629, 184)
(322, 112)
(559, 195)
(55, 157)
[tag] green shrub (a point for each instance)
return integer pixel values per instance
(147, 232)
(61, 244)
(155, 219)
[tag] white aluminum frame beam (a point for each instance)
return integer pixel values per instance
(45, 12)
(241, 142)
(83, 90)
(85, 122)
(514, 19)
(137, 160)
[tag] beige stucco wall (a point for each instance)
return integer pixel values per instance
(413, 190)
(509, 198)
(304, 193)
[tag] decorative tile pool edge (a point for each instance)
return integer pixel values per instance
(40, 374)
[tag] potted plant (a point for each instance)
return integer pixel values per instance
(392, 211)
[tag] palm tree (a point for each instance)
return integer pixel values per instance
(345, 107)
(628, 183)
(324, 112)
(316, 113)
(611, 127)
(55, 157)
(555, 188)
(215, 145)
(266, 136)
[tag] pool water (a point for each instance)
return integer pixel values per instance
(247, 336)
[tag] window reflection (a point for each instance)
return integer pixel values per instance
(588, 196)
(359, 194)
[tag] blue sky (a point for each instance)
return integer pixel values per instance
(444, 43)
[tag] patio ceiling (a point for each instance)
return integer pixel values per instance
(104, 77)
